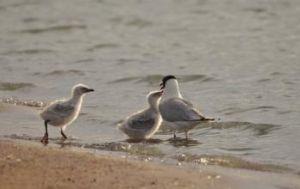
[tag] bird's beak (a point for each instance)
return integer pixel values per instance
(161, 86)
(89, 90)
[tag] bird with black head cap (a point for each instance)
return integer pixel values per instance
(177, 113)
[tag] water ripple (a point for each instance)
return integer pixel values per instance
(229, 161)
(10, 86)
(139, 22)
(156, 78)
(259, 129)
(28, 51)
(103, 46)
(59, 28)
(236, 110)
(16, 101)
(64, 72)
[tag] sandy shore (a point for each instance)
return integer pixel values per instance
(34, 166)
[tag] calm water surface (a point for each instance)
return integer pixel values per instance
(237, 60)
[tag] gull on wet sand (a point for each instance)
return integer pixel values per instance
(144, 124)
(178, 113)
(62, 113)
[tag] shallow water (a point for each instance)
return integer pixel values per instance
(237, 60)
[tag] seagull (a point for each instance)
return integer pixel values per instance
(178, 113)
(144, 123)
(62, 113)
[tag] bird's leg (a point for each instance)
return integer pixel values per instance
(186, 136)
(63, 134)
(174, 135)
(45, 138)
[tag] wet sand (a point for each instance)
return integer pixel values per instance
(34, 166)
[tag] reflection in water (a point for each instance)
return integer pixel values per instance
(140, 149)
(146, 141)
(57, 140)
(180, 142)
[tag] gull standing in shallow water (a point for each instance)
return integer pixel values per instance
(143, 124)
(63, 112)
(178, 113)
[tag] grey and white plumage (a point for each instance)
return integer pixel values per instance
(62, 113)
(178, 113)
(144, 123)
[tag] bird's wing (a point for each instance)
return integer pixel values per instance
(142, 120)
(177, 109)
(61, 109)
